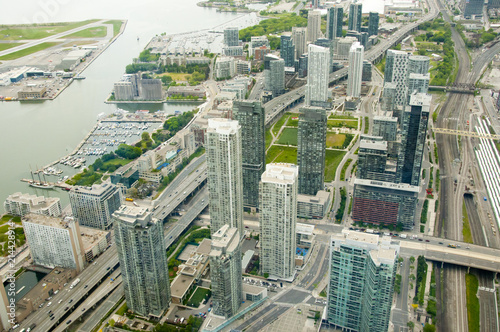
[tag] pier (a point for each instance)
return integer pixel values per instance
(61, 184)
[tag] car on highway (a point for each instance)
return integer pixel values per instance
(427, 241)
(86, 286)
(71, 300)
(69, 321)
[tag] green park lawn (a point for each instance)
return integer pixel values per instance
(332, 161)
(288, 137)
(281, 154)
(198, 296)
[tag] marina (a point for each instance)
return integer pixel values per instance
(105, 137)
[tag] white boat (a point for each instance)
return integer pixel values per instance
(40, 185)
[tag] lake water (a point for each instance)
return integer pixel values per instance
(35, 133)
(26, 281)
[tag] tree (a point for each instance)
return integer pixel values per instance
(411, 325)
(429, 328)
(145, 136)
(266, 275)
(166, 80)
(111, 322)
(412, 259)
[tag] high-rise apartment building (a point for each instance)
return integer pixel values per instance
(224, 174)
(418, 64)
(355, 71)
(93, 206)
(251, 117)
(231, 36)
(385, 127)
(396, 71)
(367, 71)
(344, 45)
(372, 159)
(389, 96)
(329, 44)
(274, 74)
(355, 12)
(378, 202)
(313, 25)
(287, 50)
(54, 242)
(334, 21)
(299, 39)
(225, 271)
(278, 218)
(373, 19)
(311, 147)
(143, 263)
(317, 75)
(361, 282)
(19, 204)
(418, 83)
(361, 37)
(413, 134)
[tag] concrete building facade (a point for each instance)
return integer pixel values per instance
(143, 263)
(313, 25)
(299, 39)
(54, 242)
(317, 75)
(355, 71)
(19, 204)
(278, 218)
(225, 272)
(93, 206)
(396, 72)
(224, 174)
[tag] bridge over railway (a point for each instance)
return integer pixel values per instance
(467, 88)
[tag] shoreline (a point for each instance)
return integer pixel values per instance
(77, 73)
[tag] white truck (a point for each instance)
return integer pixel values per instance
(74, 283)
(403, 236)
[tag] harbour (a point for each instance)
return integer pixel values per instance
(43, 132)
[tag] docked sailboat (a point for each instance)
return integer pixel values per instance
(40, 184)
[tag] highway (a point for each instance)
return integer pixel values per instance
(61, 306)
(106, 306)
(276, 105)
(196, 206)
(102, 291)
(181, 187)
